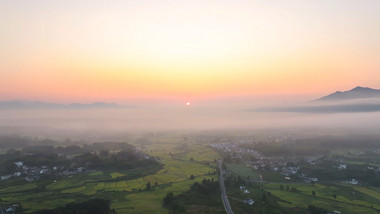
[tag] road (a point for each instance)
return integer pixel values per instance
(226, 203)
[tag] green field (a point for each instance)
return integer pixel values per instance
(350, 199)
(296, 197)
(182, 160)
(126, 189)
(243, 171)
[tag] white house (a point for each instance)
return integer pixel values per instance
(354, 181)
(249, 201)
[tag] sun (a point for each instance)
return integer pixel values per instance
(188, 103)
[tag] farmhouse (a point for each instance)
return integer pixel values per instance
(354, 181)
(249, 201)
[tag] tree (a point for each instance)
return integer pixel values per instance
(313, 193)
(315, 210)
(334, 196)
(93, 206)
(148, 186)
(168, 199)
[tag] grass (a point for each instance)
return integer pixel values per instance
(96, 173)
(349, 199)
(18, 188)
(270, 205)
(271, 176)
(125, 189)
(75, 190)
(146, 201)
(243, 171)
(128, 194)
(117, 174)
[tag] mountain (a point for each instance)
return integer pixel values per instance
(26, 104)
(355, 93)
(359, 99)
(93, 105)
(340, 108)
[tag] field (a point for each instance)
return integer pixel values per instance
(184, 161)
(243, 171)
(349, 198)
(295, 197)
(127, 190)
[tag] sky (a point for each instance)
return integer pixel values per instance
(116, 51)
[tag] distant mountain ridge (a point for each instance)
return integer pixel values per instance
(355, 93)
(27, 104)
(359, 99)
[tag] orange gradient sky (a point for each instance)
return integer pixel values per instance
(95, 50)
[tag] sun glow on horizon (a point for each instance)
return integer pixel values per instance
(156, 49)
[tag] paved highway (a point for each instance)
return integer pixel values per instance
(226, 203)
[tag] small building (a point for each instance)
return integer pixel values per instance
(5, 177)
(19, 163)
(353, 181)
(249, 201)
(29, 179)
(314, 179)
(342, 166)
(10, 210)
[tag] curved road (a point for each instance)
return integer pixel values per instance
(226, 203)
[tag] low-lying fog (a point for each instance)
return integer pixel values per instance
(175, 118)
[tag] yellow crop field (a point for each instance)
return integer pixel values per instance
(75, 190)
(117, 174)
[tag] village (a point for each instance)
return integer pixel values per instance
(30, 174)
(298, 168)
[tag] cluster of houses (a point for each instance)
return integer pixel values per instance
(236, 151)
(257, 161)
(248, 201)
(34, 173)
(9, 208)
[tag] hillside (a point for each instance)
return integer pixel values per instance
(355, 93)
